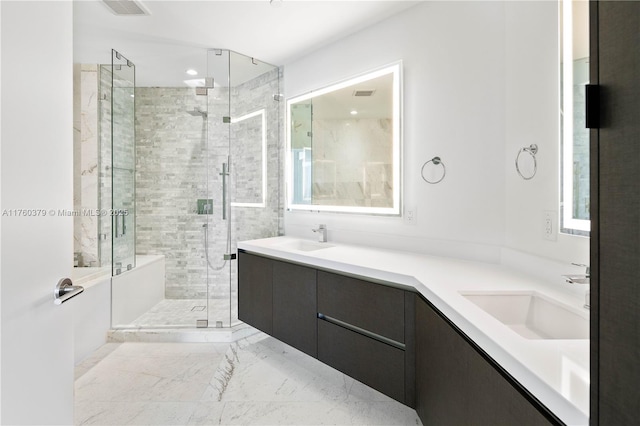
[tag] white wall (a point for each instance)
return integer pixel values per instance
(480, 81)
(532, 100)
(453, 59)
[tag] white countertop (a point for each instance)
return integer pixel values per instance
(554, 371)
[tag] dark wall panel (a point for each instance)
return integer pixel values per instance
(618, 242)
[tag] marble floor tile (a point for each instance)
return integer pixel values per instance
(134, 413)
(152, 372)
(261, 368)
(172, 313)
(316, 413)
(254, 381)
(185, 313)
(89, 362)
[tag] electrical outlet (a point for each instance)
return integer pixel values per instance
(549, 223)
(410, 215)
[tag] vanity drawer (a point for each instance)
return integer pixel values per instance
(374, 307)
(294, 306)
(369, 361)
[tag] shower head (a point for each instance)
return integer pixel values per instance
(197, 112)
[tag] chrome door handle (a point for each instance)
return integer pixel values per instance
(65, 290)
(225, 172)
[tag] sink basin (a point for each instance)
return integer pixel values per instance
(533, 315)
(303, 245)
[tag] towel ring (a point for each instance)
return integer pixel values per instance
(438, 162)
(532, 150)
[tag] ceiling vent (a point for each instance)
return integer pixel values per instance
(126, 7)
(363, 92)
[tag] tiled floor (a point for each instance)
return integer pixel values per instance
(255, 381)
(172, 313)
(185, 313)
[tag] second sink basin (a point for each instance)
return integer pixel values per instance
(304, 245)
(533, 315)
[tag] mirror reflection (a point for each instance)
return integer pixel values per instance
(574, 62)
(344, 146)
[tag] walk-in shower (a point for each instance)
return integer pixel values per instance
(207, 174)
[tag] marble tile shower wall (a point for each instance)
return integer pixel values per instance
(104, 175)
(179, 160)
(171, 175)
(120, 178)
(77, 169)
(123, 174)
(253, 96)
(160, 109)
(86, 164)
(335, 180)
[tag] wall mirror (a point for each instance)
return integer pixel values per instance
(574, 67)
(343, 144)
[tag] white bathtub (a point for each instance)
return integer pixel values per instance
(83, 275)
(108, 300)
(136, 291)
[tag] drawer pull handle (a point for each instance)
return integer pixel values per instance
(362, 331)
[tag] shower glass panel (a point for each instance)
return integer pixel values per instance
(254, 149)
(218, 225)
(123, 150)
(207, 174)
(244, 168)
(175, 201)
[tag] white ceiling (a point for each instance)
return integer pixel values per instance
(175, 36)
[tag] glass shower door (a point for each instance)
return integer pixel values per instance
(123, 150)
(251, 90)
(218, 181)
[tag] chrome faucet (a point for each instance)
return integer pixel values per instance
(581, 279)
(322, 232)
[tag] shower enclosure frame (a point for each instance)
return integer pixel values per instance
(247, 212)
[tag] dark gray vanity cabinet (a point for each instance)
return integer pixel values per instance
(255, 291)
(361, 332)
(391, 339)
(279, 298)
(365, 329)
(456, 385)
(367, 360)
(373, 307)
(294, 306)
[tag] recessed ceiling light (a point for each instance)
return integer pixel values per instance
(354, 112)
(192, 72)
